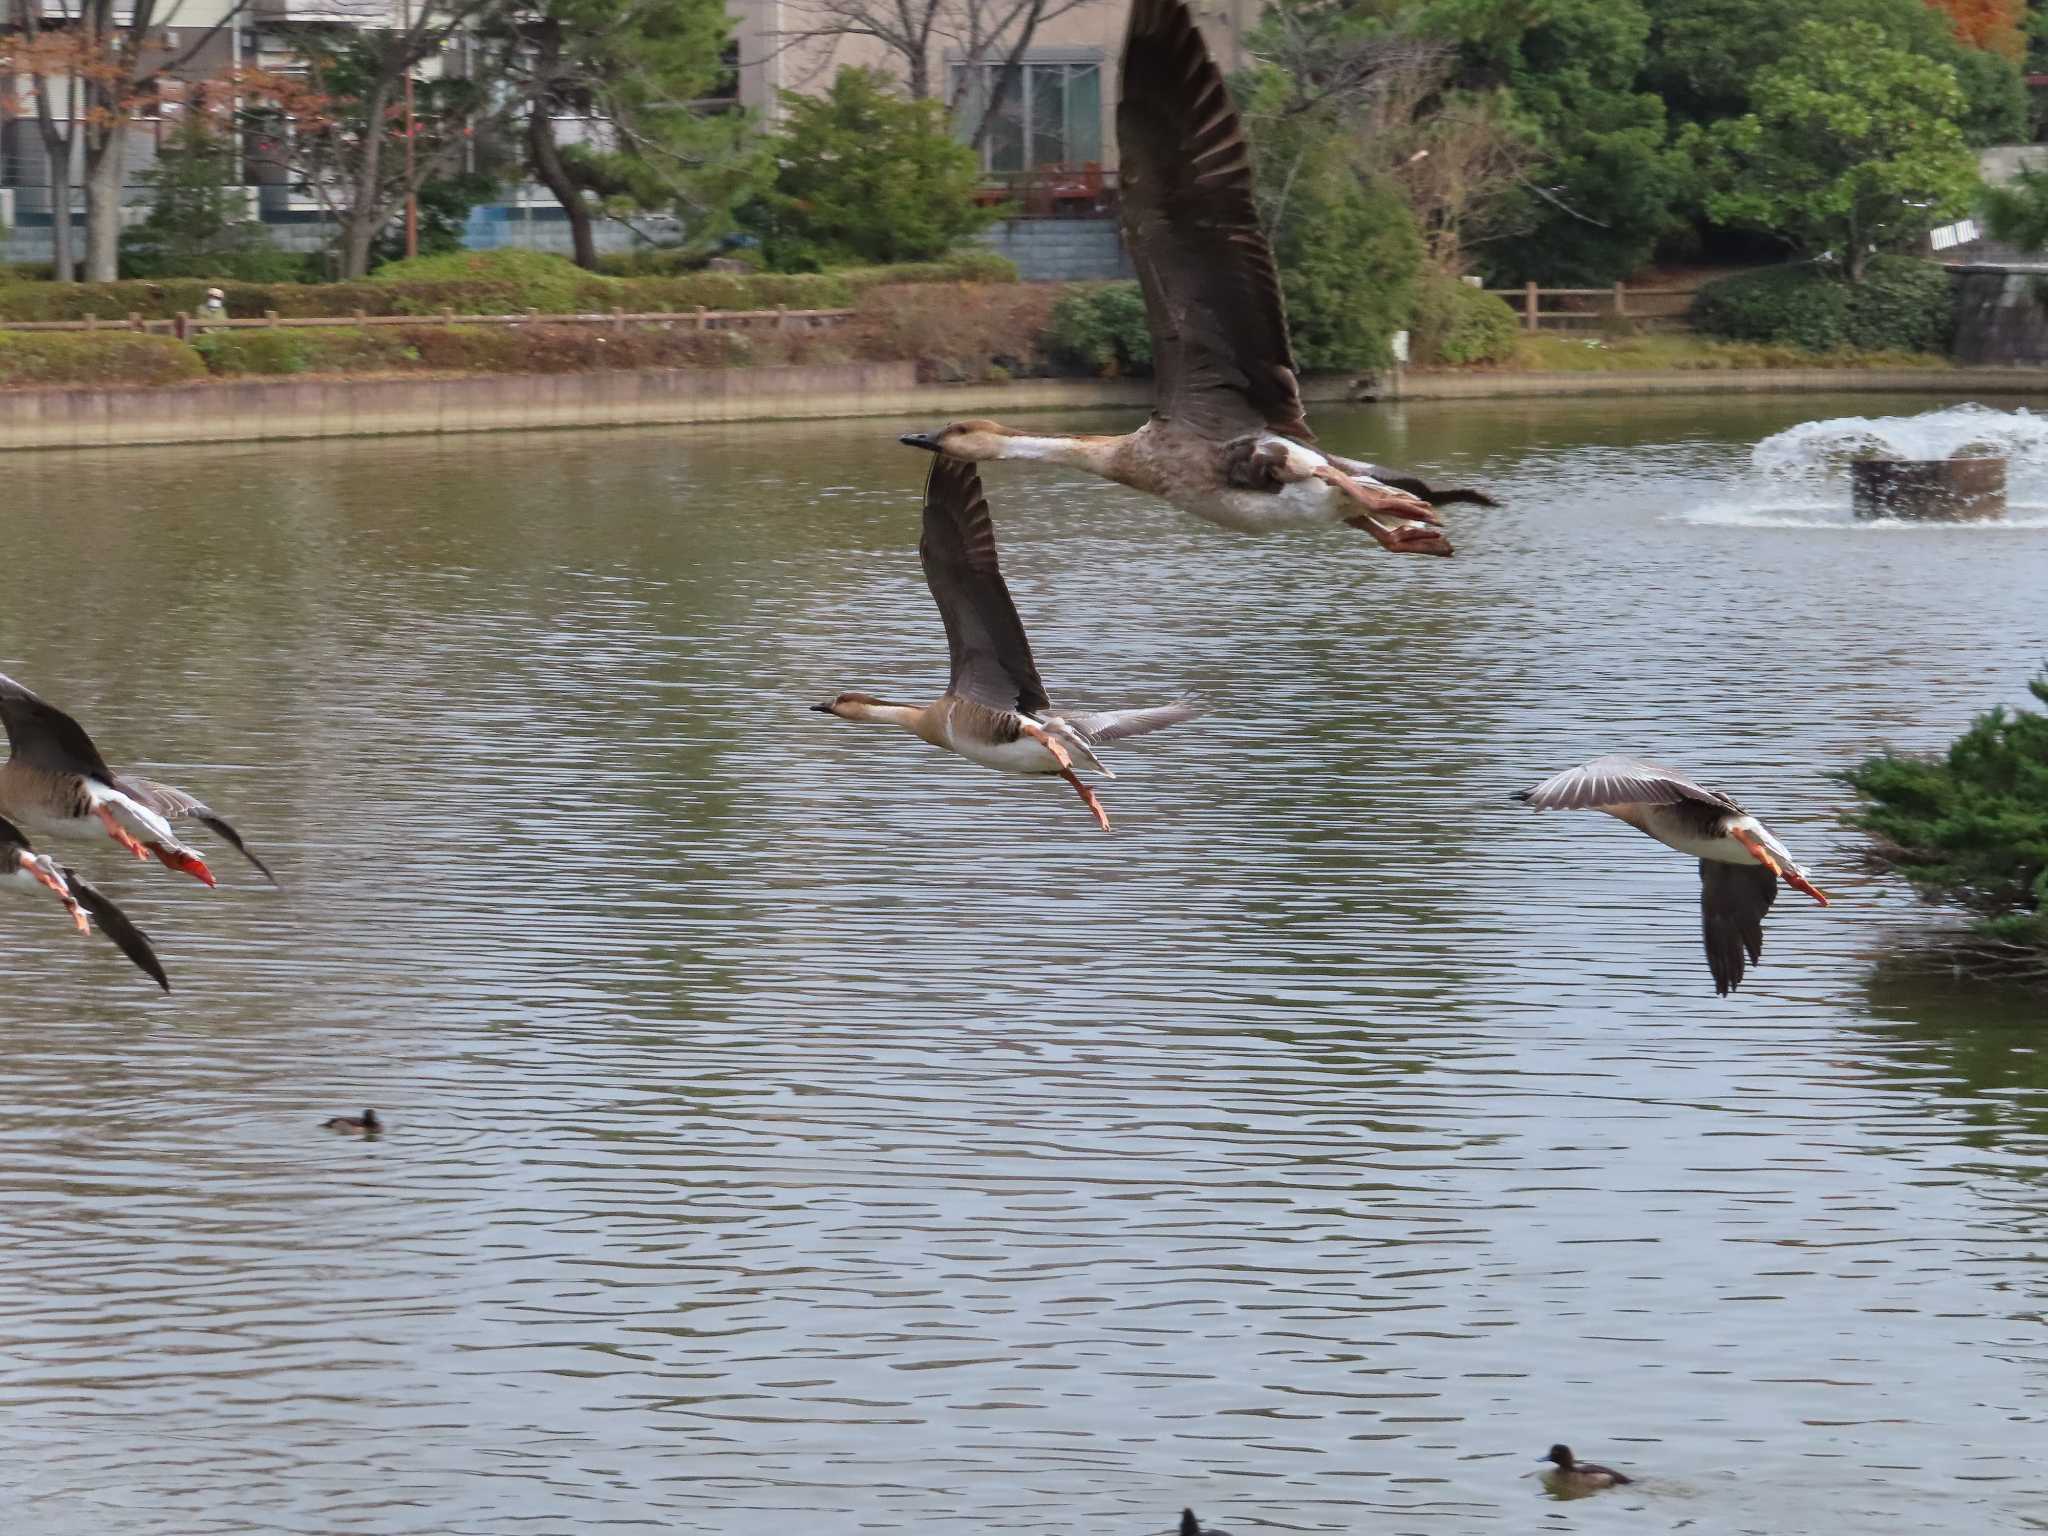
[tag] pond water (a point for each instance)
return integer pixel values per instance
(794, 1126)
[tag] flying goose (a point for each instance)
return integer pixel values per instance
(55, 780)
(31, 871)
(1228, 439)
(1741, 861)
(1569, 1473)
(994, 711)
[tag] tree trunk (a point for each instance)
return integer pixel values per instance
(546, 156)
(367, 208)
(543, 153)
(104, 169)
(57, 150)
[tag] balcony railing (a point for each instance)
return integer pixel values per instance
(1054, 192)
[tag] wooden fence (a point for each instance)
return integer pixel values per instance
(181, 325)
(1587, 308)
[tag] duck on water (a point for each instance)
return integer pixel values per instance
(1228, 439)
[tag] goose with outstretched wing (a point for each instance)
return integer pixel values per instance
(1228, 439)
(995, 710)
(28, 870)
(1741, 860)
(55, 780)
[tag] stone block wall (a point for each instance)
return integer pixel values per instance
(1062, 250)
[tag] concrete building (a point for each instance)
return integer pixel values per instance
(1051, 147)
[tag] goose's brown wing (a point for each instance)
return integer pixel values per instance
(992, 662)
(119, 928)
(1212, 295)
(1615, 780)
(42, 736)
(1733, 901)
(172, 804)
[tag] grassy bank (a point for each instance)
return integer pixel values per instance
(1556, 353)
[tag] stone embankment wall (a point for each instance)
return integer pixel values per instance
(2002, 316)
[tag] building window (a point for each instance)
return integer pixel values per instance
(1050, 115)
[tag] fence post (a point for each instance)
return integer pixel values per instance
(619, 318)
(448, 317)
(1620, 298)
(135, 320)
(702, 324)
(360, 317)
(92, 322)
(182, 326)
(782, 317)
(270, 318)
(1529, 310)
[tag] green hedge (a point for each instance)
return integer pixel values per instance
(1100, 330)
(117, 358)
(1457, 323)
(344, 349)
(1903, 304)
(486, 283)
(467, 349)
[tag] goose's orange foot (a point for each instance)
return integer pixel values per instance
(1087, 798)
(1799, 882)
(1407, 538)
(185, 861)
(119, 833)
(1383, 499)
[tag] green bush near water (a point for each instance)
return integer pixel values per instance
(1100, 330)
(1457, 323)
(1903, 304)
(1972, 827)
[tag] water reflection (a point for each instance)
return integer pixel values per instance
(792, 1126)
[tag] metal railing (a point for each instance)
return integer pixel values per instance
(183, 324)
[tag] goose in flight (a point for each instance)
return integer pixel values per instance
(1228, 439)
(30, 870)
(55, 780)
(995, 710)
(1741, 861)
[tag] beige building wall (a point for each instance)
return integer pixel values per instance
(776, 54)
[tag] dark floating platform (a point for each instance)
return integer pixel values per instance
(1934, 490)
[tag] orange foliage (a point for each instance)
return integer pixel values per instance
(1993, 25)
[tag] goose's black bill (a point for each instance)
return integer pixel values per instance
(928, 441)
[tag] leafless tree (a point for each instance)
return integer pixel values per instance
(922, 33)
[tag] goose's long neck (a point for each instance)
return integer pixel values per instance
(1093, 454)
(909, 717)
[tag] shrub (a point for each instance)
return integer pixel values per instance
(1902, 303)
(1457, 323)
(863, 175)
(345, 349)
(1100, 330)
(1796, 305)
(1972, 827)
(116, 358)
(526, 279)
(969, 332)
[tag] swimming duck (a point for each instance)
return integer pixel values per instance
(32, 870)
(1190, 1526)
(1228, 439)
(365, 1125)
(55, 780)
(995, 710)
(1569, 1472)
(1741, 861)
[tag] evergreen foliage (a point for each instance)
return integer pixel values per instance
(1101, 330)
(862, 175)
(1972, 827)
(199, 224)
(1903, 304)
(1457, 323)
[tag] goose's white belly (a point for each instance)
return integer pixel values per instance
(1299, 504)
(1020, 756)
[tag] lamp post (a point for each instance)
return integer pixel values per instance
(412, 199)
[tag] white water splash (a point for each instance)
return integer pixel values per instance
(1800, 477)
